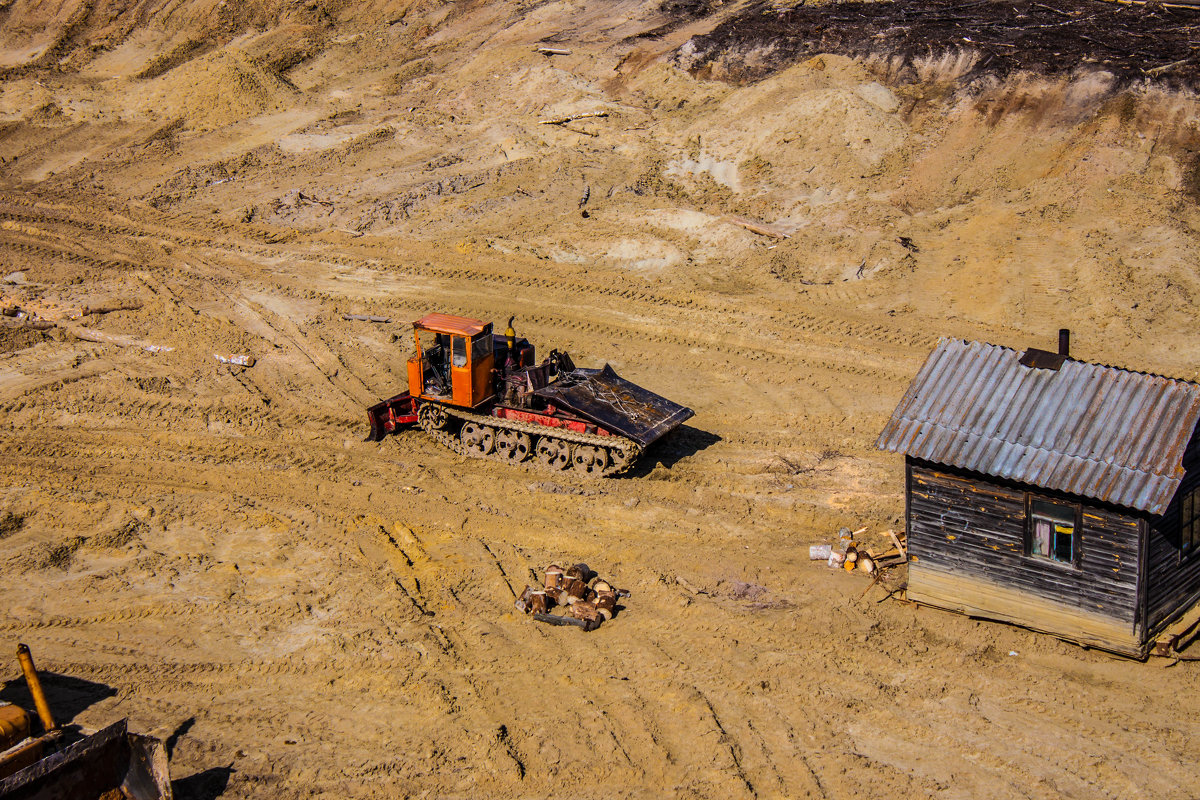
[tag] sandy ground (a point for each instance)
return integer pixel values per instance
(217, 554)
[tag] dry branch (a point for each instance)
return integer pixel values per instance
(1168, 67)
(573, 117)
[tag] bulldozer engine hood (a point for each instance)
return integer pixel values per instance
(605, 398)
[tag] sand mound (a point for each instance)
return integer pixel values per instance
(218, 90)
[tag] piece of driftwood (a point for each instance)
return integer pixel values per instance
(552, 51)
(365, 318)
(760, 229)
(573, 117)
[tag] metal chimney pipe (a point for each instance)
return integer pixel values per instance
(1064, 342)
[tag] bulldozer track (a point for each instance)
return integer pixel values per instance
(627, 449)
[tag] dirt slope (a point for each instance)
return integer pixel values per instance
(307, 614)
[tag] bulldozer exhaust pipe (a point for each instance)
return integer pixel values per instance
(35, 687)
(510, 336)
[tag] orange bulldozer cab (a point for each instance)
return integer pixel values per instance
(453, 361)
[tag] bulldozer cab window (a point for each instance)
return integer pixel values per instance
(460, 351)
(435, 354)
(434, 346)
(481, 347)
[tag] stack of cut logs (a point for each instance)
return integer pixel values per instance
(849, 554)
(586, 599)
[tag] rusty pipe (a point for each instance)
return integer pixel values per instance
(35, 687)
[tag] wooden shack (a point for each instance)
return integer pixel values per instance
(1056, 494)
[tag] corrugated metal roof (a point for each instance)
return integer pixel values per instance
(1087, 429)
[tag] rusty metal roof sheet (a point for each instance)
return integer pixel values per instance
(447, 323)
(1096, 431)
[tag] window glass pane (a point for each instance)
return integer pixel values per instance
(1064, 542)
(481, 346)
(1041, 538)
(1059, 512)
(460, 351)
(1189, 507)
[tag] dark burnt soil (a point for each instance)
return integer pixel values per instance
(1134, 43)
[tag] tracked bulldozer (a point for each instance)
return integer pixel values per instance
(60, 764)
(483, 395)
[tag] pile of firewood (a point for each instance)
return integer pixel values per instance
(581, 597)
(850, 554)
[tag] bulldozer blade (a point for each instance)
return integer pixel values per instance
(610, 401)
(389, 415)
(112, 759)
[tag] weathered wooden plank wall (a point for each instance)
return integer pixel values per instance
(974, 527)
(1173, 581)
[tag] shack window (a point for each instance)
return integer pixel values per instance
(1052, 530)
(1189, 522)
(460, 351)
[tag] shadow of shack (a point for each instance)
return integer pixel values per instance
(1051, 493)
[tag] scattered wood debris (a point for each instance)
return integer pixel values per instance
(552, 51)
(240, 361)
